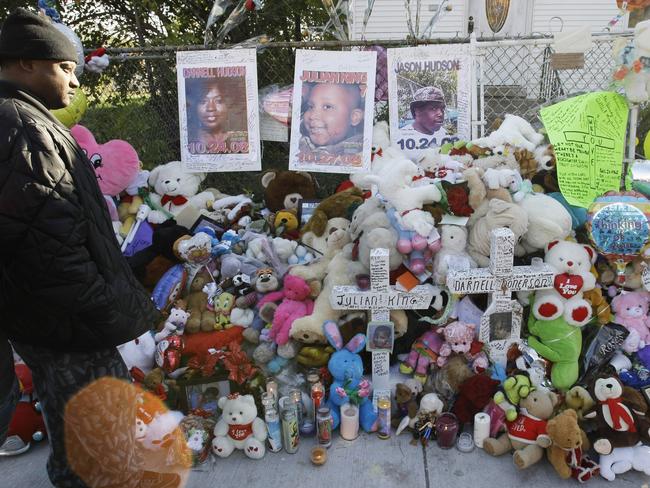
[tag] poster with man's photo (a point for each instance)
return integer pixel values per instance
(430, 92)
(333, 110)
(218, 110)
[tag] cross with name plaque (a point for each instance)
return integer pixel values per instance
(501, 323)
(380, 300)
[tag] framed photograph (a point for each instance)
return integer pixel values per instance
(646, 394)
(307, 208)
(202, 393)
(381, 336)
(332, 111)
(218, 110)
(430, 93)
(204, 221)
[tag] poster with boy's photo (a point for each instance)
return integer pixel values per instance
(430, 93)
(333, 110)
(218, 110)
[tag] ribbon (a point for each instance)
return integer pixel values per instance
(176, 200)
(618, 411)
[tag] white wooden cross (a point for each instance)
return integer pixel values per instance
(501, 323)
(380, 300)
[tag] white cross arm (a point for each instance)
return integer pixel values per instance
(483, 281)
(350, 298)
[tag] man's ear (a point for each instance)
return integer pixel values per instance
(356, 117)
(27, 65)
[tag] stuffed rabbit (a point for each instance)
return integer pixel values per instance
(347, 370)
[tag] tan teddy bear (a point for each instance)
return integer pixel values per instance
(527, 433)
(201, 319)
(569, 442)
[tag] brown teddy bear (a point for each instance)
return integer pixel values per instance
(620, 415)
(407, 405)
(283, 190)
(201, 319)
(579, 400)
(339, 204)
(569, 442)
(527, 433)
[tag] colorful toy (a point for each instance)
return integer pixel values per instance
(424, 353)
(631, 309)
(459, 339)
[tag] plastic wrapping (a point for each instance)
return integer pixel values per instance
(599, 346)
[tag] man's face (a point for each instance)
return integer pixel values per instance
(212, 109)
(430, 116)
(331, 112)
(53, 81)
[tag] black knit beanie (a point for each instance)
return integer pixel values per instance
(25, 35)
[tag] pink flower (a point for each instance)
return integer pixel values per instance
(363, 393)
(364, 384)
(340, 392)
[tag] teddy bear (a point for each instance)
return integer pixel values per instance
(631, 311)
(620, 414)
(139, 352)
(174, 190)
(283, 190)
(514, 131)
(527, 433)
(447, 381)
(201, 317)
(623, 459)
(430, 407)
(453, 242)
(569, 444)
(340, 204)
(459, 339)
(548, 220)
(296, 296)
(571, 263)
(174, 324)
(579, 400)
(130, 201)
(407, 405)
(319, 243)
(491, 215)
(396, 186)
(239, 427)
(266, 280)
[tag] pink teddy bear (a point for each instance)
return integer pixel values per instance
(631, 311)
(295, 304)
(459, 339)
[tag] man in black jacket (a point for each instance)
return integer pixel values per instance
(67, 295)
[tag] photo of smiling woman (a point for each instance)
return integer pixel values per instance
(216, 115)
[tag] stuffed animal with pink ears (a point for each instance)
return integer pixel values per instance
(459, 339)
(296, 303)
(631, 309)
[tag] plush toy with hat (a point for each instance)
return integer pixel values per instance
(174, 190)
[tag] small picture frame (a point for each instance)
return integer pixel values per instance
(204, 221)
(202, 394)
(646, 394)
(381, 336)
(306, 210)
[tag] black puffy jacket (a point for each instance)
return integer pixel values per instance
(64, 283)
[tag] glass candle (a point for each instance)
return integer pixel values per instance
(447, 430)
(349, 422)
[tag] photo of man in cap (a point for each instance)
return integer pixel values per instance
(428, 111)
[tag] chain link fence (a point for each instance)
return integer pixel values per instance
(136, 97)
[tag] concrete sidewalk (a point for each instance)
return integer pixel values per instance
(367, 462)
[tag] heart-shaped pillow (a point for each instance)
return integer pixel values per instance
(568, 285)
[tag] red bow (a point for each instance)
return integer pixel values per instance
(176, 200)
(99, 52)
(618, 411)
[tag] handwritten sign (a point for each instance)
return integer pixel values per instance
(349, 298)
(588, 137)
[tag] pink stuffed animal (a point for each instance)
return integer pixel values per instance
(116, 164)
(459, 338)
(631, 311)
(424, 352)
(296, 303)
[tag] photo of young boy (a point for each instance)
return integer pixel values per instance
(332, 111)
(332, 119)
(380, 336)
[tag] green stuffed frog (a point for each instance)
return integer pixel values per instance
(560, 343)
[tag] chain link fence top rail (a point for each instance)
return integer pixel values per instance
(136, 97)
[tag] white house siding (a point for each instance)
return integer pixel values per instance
(574, 14)
(388, 19)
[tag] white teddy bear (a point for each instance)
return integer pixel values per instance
(513, 131)
(239, 427)
(175, 324)
(623, 459)
(548, 220)
(572, 265)
(453, 252)
(502, 178)
(176, 189)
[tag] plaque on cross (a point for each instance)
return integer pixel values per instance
(501, 323)
(380, 300)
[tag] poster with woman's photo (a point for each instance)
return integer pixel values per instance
(218, 110)
(333, 109)
(430, 92)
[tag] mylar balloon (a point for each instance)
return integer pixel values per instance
(618, 226)
(73, 113)
(74, 39)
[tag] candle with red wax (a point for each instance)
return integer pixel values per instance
(447, 430)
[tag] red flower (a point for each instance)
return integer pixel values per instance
(238, 364)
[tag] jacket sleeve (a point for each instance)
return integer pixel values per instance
(43, 233)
